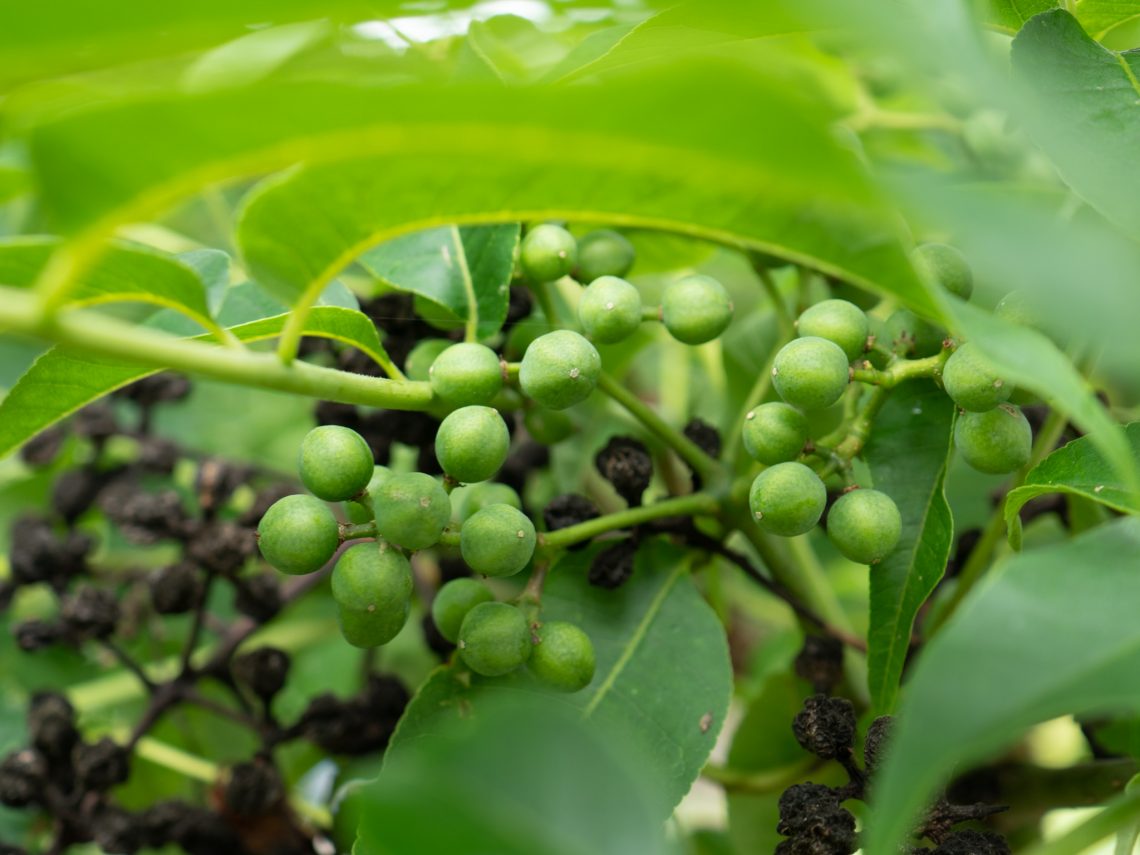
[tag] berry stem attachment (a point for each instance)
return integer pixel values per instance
(357, 531)
(902, 370)
(651, 314)
(695, 504)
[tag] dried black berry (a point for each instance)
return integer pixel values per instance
(825, 726)
(567, 510)
(820, 662)
(360, 725)
(145, 518)
(625, 463)
(704, 436)
(385, 697)
(612, 566)
(877, 736)
(435, 641)
(221, 547)
(258, 596)
(160, 388)
(254, 788)
(75, 491)
(90, 613)
(175, 589)
(37, 554)
(216, 482)
(51, 724)
(33, 635)
(100, 765)
(22, 777)
(96, 421)
(117, 831)
(5, 849)
(42, 448)
(810, 814)
(970, 842)
(197, 830)
(263, 670)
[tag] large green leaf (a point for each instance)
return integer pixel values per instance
(1101, 17)
(1086, 114)
(907, 454)
(1076, 469)
(59, 382)
(663, 676)
(1011, 15)
(1053, 632)
(467, 270)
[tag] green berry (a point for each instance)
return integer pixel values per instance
(467, 373)
(559, 369)
(374, 579)
(497, 541)
(471, 500)
(494, 639)
(610, 310)
(838, 321)
(810, 373)
(775, 433)
(696, 309)
(370, 629)
(864, 525)
(945, 267)
(452, 603)
(787, 499)
(547, 426)
(298, 534)
(472, 443)
(997, 441)
(972, 381)
(418, 363)
(563, 657)
(548, 252)
(359, 513)
(411, 510)
(912, 336)
(335, 463)
(604, 253)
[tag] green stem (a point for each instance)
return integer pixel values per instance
(783, 316)
(169, 757)
(898, 121)
(99, 335)
(355, 531)
(545, 298)
(768, 781)
(1115, 816)
(651, 313)
(700, 462)
(695, 504)
(902, 370)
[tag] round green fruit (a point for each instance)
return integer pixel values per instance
(775, 433)
(610, 310)
(298, 534)
(370, 629)
(997, 441)
(494, 639)
(787, 499)
(452, 603)
(912, 336)
(563, 657)
(418, 363)
(359, 513)
(411, 510)
(471, 500)
(497, 541)
(371, 577)
(837, 321)
(335, 462)
(548, 252)
(864, 525)
(810, 373)
(559, 369)
(696, 309)
(972, 381)
(604, 253)
(472, 443)
(549, 427)
(467, 373)
(946, 267)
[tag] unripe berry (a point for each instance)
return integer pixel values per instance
(547, 426)
(497, 541)
(610, 310)
(335, 462)
(298, 534)
(418, 363)
(472, 443)
(467, 373)
(494, 639)
(564, 657)
(452, 603)
(997, 441)
(864, 525)
(696, 309)
(603, 253)
(775, 433)
(972, 381)
(787, 499)
(358, 513)
(468, 501)
(810, 373)
(412, 510)
(912, 336)
(838, 321)
(559, 369)
(548, 252)
(372, 586)
(944, 266)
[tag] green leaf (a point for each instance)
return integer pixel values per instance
(1053, 632)
(1101, 17)
(467, 270)
(1087, 112)
(908, 453)
(1011, 15)
(1077, 469)
(213, 268)
(663, 676)
(59, 382)
(253, 56)
(511, 48)
(14, 182)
